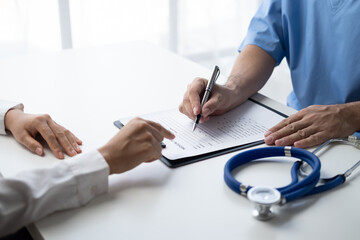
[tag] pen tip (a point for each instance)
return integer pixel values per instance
(194, 126)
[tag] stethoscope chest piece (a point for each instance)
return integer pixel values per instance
(264, 198)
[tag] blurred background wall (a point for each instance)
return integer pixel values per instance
(205, 31)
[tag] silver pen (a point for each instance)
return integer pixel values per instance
(207, 93)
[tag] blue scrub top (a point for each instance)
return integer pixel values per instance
(321, 42)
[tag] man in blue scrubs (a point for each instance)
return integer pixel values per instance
(320, 41)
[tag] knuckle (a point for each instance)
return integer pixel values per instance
(198, 80)
(147, 146)
(66, 131)
(302, 133)
(140, 123)
(292, 127)
(43, 128)
(147, 137)
(218, 98)
(39, 119)
(51, 137)
(56, 148)
(46, 116)
(304, 110)
(275, 136)
(286, 121)
(60, 134)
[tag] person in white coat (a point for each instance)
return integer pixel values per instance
(31, 195)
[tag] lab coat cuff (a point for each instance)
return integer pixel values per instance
(91, 173)
(5, 106)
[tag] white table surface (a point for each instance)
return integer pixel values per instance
(85, 90)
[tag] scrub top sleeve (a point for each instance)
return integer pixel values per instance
(265, 30)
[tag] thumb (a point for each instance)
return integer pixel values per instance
(210, 106)
(33, 145)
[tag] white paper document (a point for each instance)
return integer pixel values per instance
(242, 125)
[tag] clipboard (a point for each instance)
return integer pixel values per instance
(174, 163)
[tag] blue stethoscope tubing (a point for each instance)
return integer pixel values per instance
(297, 188)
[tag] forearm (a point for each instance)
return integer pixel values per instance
(33, 194)
(251, 70)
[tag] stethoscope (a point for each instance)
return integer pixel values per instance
(308, 168)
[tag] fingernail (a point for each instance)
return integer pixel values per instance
(73, 152)
(77, 148)
(269, 139)
(195, 109)
(267, 133)
(38, 151)
(61, 155)
(206, 112)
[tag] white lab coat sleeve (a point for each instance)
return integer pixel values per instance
(5, 106)
(32, 195)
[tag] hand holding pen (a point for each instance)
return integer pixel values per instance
(222, 99)
(207, 93)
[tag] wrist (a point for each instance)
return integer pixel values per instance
(107, 156)
(111, 157)
(238, 91)
(10, 118)
(233, 84)
(352, 111)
